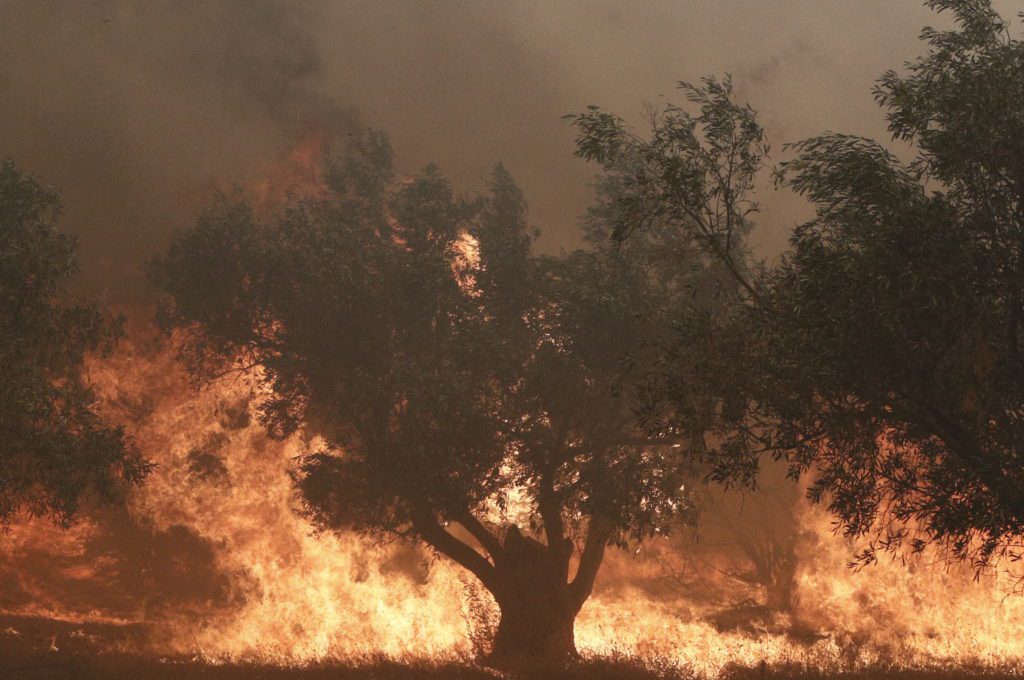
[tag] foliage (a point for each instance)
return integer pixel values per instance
(922, 414)
(882, 352)
(690, 180)
(56, 450)
(470, 394)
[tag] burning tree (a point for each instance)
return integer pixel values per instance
(883, 351)
(469, 394)
(56, 449)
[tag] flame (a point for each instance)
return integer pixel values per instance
(212, 559)
(299, 172)
(297, 596)
(277, 592)
(912, 612)
(465, 262)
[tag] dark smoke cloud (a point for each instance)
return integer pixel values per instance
(138, 110)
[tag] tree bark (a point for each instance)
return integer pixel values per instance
(537, 606)
(536, 630)
(528, 579)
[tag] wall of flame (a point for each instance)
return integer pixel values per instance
(211, 557)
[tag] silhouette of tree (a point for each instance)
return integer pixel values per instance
(882, 352)
(56, 450)
(471, 395)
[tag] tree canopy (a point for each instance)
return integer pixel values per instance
(882, 352)
(469, 393)
(56, 450)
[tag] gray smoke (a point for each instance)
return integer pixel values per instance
(138, 110)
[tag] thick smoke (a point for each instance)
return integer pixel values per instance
(137, 111)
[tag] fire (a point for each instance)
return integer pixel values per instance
(913, 612)
(213, 559)
(299, 172)
(466, 263)
(920, 609)
(295, 596)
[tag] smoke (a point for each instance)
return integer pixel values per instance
(139, 111)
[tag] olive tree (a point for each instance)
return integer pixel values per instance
(470, 394)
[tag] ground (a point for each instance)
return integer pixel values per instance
(43, 649)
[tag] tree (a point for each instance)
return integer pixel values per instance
(469, 394)
(742, 554)
(56, 451)
(760, 532)
(882, 352)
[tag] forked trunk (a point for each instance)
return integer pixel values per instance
(529, 581)
(536, 604)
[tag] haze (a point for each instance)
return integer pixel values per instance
(139, 111)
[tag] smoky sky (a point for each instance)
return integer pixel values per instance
(138, 111)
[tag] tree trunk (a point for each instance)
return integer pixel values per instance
(537, 606)
(534, 631)
(780, 594)
(529, 581)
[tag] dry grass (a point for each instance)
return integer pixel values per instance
(80, 654)
(131, 667)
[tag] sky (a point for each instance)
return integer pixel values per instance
(138, 111)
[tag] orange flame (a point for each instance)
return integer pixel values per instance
(300, 173)
(288, 596)
(211, 556)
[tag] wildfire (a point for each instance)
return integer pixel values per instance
(300, 172)
(212, 558)
(295, 596)
(246, 577)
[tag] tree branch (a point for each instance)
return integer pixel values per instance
(961, 444)
(598, 533)
(482, 534)
(427, 526)
(550, 509)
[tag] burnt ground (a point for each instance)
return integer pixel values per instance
(44, 649)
